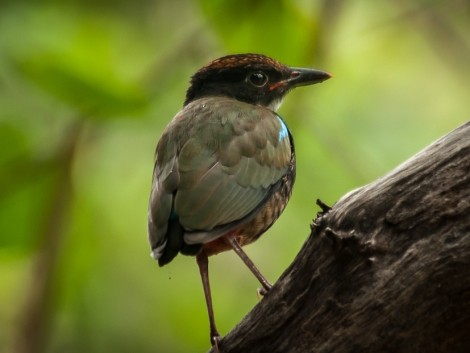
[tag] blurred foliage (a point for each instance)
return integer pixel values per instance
(86, 88)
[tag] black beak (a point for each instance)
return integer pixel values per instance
(304, 77)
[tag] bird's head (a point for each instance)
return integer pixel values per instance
(251, 78)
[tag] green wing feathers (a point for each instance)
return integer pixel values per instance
(215, 166)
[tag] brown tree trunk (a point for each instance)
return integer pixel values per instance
(387, 269)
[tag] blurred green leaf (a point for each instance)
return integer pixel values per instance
(89, 62)
(279, 28)
(99, 96)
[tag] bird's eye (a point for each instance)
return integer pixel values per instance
(259, 78)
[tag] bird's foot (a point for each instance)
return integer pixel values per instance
(215, 341)
(261, 292)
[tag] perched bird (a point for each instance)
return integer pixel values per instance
(225, 165)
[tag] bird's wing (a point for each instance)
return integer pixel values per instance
(164, 184)
(215, 166)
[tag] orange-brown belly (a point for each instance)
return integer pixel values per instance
(251, 231)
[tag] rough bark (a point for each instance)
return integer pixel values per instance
(387, 269)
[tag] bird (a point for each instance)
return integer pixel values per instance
(225, 165)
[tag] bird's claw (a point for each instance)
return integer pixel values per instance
(215, 340)
(261, 292)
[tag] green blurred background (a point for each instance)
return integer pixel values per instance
(86, 88)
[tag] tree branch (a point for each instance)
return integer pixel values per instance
(387, 269)
(33, 329)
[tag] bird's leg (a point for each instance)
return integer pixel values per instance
(232, 241)
(203, 264)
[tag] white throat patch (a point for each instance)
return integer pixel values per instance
(275, 104)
